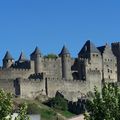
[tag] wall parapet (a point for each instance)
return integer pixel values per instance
(14, 69)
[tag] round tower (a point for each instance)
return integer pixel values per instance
(36, 57)
(8, 60)
(66, 63)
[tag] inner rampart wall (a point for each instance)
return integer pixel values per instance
(52, 67)
(12, 73)
(70, 86)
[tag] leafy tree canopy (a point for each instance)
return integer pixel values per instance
(6, 107)
(104, 105)
(6, 104)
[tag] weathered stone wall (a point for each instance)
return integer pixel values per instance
(90, 68)
(31, 88)
(52, 67)
(95, 62)
(94, 79)
(7, 85)
(13, 73)
(70, 86)
(109, 65)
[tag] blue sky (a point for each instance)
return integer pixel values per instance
(49, 24)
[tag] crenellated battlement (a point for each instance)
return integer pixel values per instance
(51, 59)
(15, 69)
(31, 80)
(48, 74)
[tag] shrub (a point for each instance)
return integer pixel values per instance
(53, 56)
(58, 102)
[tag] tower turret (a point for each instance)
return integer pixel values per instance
(66, 63)
(7, 60)
(22, 57)
(36, 57)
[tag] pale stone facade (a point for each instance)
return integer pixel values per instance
(40, 75)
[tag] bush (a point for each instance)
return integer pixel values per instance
(58, 102)
(53, 56)
(33, 108)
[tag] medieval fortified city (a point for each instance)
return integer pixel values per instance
(71, 77)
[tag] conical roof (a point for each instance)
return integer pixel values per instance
(89, 47)
(64, 51)
(36, 51)
(22, 57)
(8, 56)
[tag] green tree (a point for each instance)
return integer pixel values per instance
(104, 105)
(6, 104)
(6, 107)
(23, 113)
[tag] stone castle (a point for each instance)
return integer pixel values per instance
(72, 77)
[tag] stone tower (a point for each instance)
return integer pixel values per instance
(36, 57)
(108, 64)
(89, 59)
(66, 63)
(7, 60)
(116, 51)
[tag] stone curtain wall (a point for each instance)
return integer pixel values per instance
(31, 88)
(69, 86)
(12, 73)
(7, 85)
(94, 79)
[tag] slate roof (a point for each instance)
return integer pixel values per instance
(8, 56)
(22, 57)
(89, 47)
(36, 51)
(64, 51)
(101, 49)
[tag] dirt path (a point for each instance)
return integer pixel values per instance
(80, 117)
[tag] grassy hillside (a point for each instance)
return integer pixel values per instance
(47, 113)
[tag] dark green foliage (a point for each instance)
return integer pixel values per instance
(104, 106)
(23, 113)
(33, 109)
(6, 104)
(53, 56)
(58, 102)
(6, 107)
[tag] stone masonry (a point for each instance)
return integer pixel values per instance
(45, 76)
